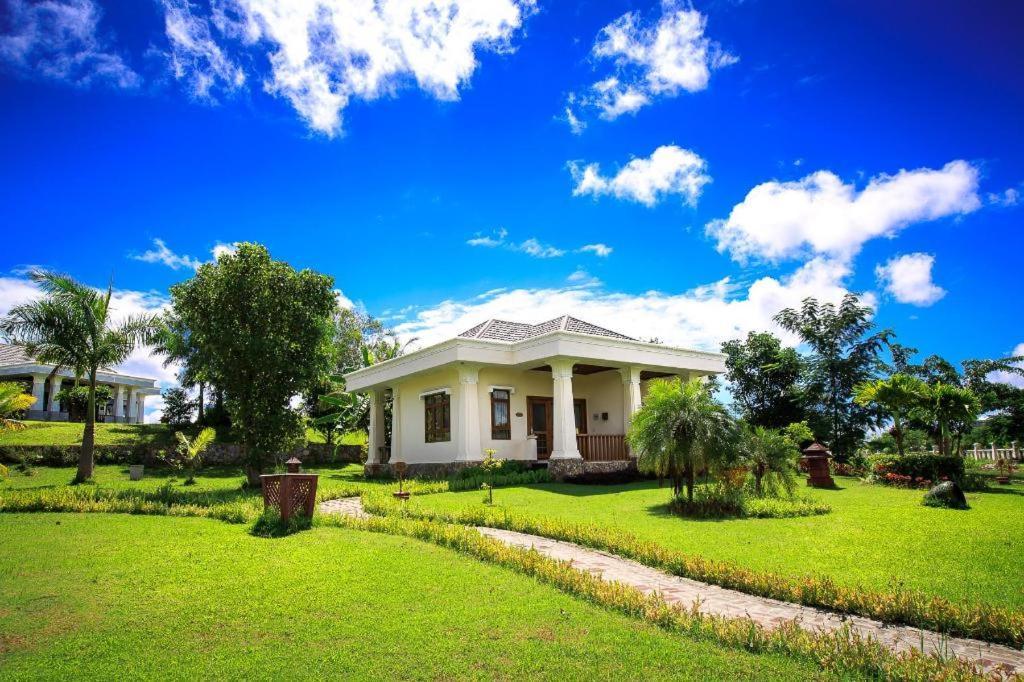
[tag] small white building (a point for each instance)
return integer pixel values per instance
(126, 406)
(561, 391)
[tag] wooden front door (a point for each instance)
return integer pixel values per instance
(540, 421)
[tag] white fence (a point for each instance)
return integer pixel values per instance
(993, 453)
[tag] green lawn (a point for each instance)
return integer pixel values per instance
(876, 537)
(335, 481)
(96, 595)
(67, 433)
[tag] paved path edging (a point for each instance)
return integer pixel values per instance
(719, 601)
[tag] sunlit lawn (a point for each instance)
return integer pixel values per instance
(105, 596)
(69, 433)
(876, 537)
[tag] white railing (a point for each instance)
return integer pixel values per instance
(992, 453)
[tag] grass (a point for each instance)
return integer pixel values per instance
(160, 435)
(878, 538)
(93, 595)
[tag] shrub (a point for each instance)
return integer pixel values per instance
(916, 469)
(269, 524)
(714, 501)
(718, 501)
(498, 467)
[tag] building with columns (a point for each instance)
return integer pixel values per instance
(561, 392)
(126, 406)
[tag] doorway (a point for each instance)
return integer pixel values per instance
(540, 421)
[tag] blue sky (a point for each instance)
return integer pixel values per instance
(666, 169)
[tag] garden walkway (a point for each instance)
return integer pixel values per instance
(714, 600)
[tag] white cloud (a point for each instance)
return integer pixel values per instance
(60, 40)
(582, 278)
(1006, 198)
(221, 249)
(124, 302)
(822, 215)
(652, 60)
(497, 238)
(668, 170)
(532, 246)
(1011, 378)
(324, 54)
(161, 254)
(909, 279)
(700, 318)
(599, 250)
(195, 57)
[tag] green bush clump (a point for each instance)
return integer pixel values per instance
(500, 467)
(269, 524)
(842, 652)
(918, 466)
(718, 501)
(907, 607)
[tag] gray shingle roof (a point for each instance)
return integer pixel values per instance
(503, 330)
(13, 355)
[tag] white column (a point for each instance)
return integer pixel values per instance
(396, 425)
(467, 428)
(141, 411)
(55, 383)
(119, 403)
(564, 441)
(630, 394)
(38, 392)
(133, 406)
(375, 433)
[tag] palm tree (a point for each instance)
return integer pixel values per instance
(71, 327)
(13, 399)
(952, 409)
(900, 395)
(773, 457)
(191, 451)
(680, 429)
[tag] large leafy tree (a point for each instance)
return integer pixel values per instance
(680, 430)
(72, 326)
(1001, 402)
(951, 410)
(264, 331)
(844, 351)
(175, 343)
(178, 407)
(901, 396)
(764, 380)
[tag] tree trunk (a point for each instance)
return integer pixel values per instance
(253, 468)
(690, 483)
(202, 401)
(758, 475)
(85, 456)
(897, 435)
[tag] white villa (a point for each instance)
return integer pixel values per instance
(127, 404)
(561, 391)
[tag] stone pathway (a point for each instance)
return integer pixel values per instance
(719, 601)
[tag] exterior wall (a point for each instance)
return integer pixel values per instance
(603, 393)
(412, 447)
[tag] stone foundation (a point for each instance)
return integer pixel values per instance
(420, 469)
(581, 471)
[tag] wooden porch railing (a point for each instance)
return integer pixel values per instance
(595, 447)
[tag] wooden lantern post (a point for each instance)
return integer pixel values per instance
(815, 462)
(290, 492)
(399, 468)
